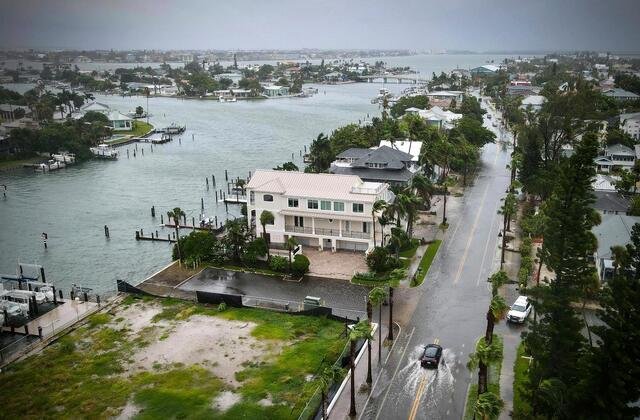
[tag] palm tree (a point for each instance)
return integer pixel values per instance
(383, 220)
(176, 214)
(377, 296)
(291, 244)
(488, 406)
(327, 377)
(396, 240)
(408, 206)
(395, 278)
(266, 218)
(485, 355)
(423, 188)
(361, 330)
(377, 207)
(498, 307)
(497, 310)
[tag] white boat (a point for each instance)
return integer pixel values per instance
(382, 93)
(28, 294)
(64, 157)
(51, 165)
(13, 309)
(104, 151)
(223, 99)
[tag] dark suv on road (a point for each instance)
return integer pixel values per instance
(431, 356)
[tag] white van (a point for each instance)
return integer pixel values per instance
(520, 310)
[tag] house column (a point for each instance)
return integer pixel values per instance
(340, 226)
(313, 225)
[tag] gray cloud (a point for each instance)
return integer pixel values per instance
(254, 24)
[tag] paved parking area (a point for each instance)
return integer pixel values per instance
(341, 265)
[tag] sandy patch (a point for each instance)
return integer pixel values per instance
(220, 345)
(225, 400)
(128, 412)
(138, 316)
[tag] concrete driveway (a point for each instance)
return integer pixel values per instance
(341, 265)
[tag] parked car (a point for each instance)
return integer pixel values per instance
(431, 356)
(520, 310)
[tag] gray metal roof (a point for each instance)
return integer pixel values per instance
(375, 175)
(610, 201)
(615, 229)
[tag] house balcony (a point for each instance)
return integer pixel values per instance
(327, 232)
(298, 229)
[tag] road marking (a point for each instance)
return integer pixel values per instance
(423, 383)
(486, 246)
(473, 230)
(395, 373)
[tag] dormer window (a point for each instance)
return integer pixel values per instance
(267, 197)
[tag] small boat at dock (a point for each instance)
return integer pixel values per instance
(50, 165)
(172, 129)
(64, 157)
(104, 151)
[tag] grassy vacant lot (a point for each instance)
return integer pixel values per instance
(426, 261)
(493, 385)
(164, 358)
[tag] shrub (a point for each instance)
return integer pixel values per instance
(222, 307)
(198, 245)
(377, 259)
(256, 248)
(278, 263)
(300, 265)
(365, 277)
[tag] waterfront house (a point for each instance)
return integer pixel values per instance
(616, 157)
(274, 91)
(620, 94)
(630, 124)
(119, 121)
(95, 107)
(323, 211)
(614, 230)
(233, 93)
(382, 164)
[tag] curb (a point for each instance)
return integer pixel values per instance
(348, 376)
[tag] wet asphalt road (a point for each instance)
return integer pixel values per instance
(451, 306)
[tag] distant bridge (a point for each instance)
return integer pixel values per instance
(397, 78)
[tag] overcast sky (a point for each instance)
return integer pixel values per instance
(478, 25)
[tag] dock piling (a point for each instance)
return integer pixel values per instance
(216, 196)
(213, 178)
(153, 211)
(207, 181)
(226, 175)
(202, 203)
(161, 219)
(44, 279)
(193, 222)
(106, 231)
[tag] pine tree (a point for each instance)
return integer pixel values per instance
(611, 366)
(556, 342)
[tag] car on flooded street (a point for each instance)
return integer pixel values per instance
(520, 310)
(431, 356)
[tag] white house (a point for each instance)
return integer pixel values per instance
(615, 229)
(440, 118)
(616, 156)
(446, 94)
(273, 91)
(324, 211)
(630, 124)
(119, 121)
(533, 101)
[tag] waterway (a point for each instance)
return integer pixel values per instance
(73, 205)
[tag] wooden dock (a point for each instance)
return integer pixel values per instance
(140, 237)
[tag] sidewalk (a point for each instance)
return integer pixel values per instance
(340, 409)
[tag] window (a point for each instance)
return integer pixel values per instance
(267, 197)
(312, 204)
(364, 227)
(252, 198)
(338, 206)
(293, 202)
(298, 221)
(358, 208)
(325, 205)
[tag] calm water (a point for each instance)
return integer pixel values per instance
(72, 205)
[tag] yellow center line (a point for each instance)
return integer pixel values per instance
(473, 230)
(421, 387)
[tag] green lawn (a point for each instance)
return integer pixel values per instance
(521, 407)
(85, 374)
(10, 164)
(426, 261)
(493, 385)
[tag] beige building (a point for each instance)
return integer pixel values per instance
(323, 211)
